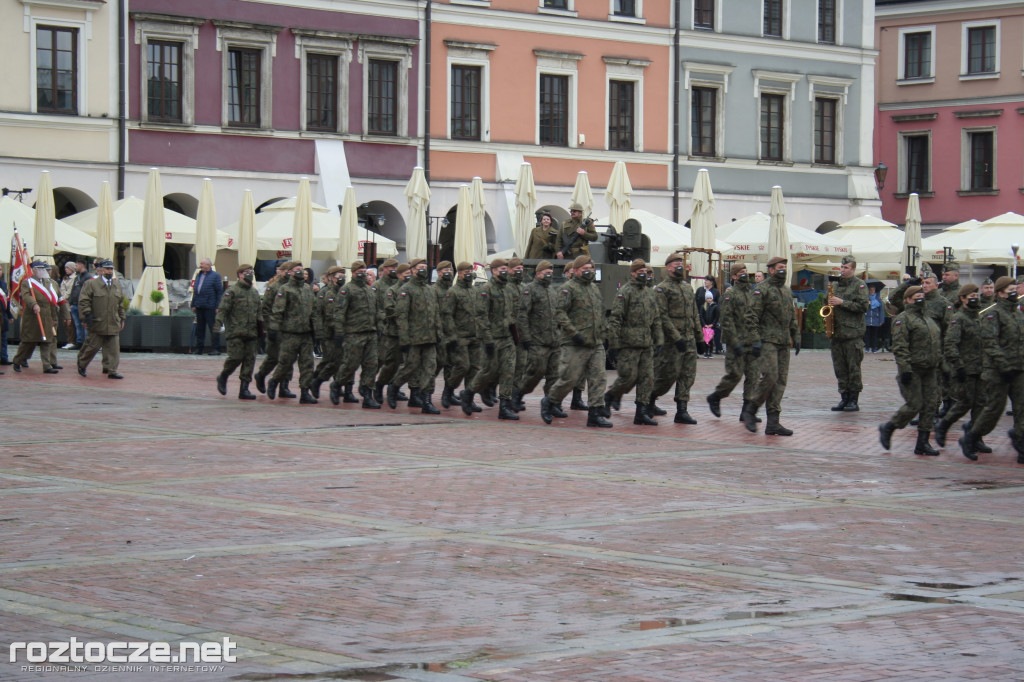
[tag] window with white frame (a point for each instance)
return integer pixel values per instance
(469, 69)
(558, 5)
(916, 61)
(167, 47)
(625, 9)
(247, 61)
(556, 97)
(979, 49)
(828, 96)
(775, 93)
(625, 97)
(979, 159)
(386, 64)
(705, 12)
(775, 18)
(828, 21)
(707, 85)
(324, 78)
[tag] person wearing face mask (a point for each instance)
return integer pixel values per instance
(420, 327)
(577, 402)
(938, 309)
(323, 329)
(677, 363)
(849, 304)
(239, 313)
(292, 316)
(496, 314)
(1002, 332)
(917, 349)
(539, 332)
(580, 316)
(390, 358)
(388, 277)
(776, 323)
(463, 344)
(634, 331)
(273, 348)
(962, 346)
(515, 283)
(102, 311)
(742, 340)
(354, 318)
(442, 290)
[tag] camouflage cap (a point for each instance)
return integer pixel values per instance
(988, 280)
(637, 264)
(544, 265)
(951, 266)
(848, 259)
(581, 261)
(1004, 282)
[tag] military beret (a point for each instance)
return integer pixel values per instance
(912, 291)
(241, 268)
(497, 263)
(1001, 283)
(951, 266)
(402, 267)
(575, 206)
(357, 265)
(40, 264)
(335, 268)
(416, 261)
(515, 262)
(444, 264)
(464, 265)
(581, 261)
(968, 288)
(673, 257)
(737, 268)
(389, 263)
(638, 264)
(776, 260)
(105, 263)
(544, 265)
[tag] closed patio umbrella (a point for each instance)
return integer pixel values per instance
(153, 240)
(206, 224)
(105, 223)
(417, 195)
(464, 248)
(247, 230)
(348, 237)
(702, 220)
(302, 225)
(778, 237)
(478, 207)
(526, 199)
(46, 214)
(617, 195)
(581, 193)
(912, 233)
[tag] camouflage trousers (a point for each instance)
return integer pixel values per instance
(995, 404)
(919, 399)
(498, 368)
(522, 361)
(636, 368)
(419, 368)
(295, 347)
(542, 364)
(676, 368)
(359, 352)
(970, 397)
(240, 352)
(774, 370)
(576, 363)
(389, 358)
(270, 362)
(847, 356)
(331, 360)
(738, 366)
(465, 362)
(111, 345)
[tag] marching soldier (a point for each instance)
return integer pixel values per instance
(390, 357)
(580, 316)
(463, 344)
(42, 309)
(273, 340)
(239, 312)
(776, 322)
(291, 321)
(964, 353)
(323, 328)
(917, 349)
(575, 234)
(496, 309)
(568, 272)
(542, 239)
(634, 332)
(677, 363)
(515, 275)
(419, 329)
(442, 289)
(354, 316)
(388, 278)
(850, 304)
(742, 340)
(102, 311)
(539, 332)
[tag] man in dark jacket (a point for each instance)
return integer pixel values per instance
(206, 295)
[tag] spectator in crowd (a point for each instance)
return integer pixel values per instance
(875, 318)
(5, 318)
(205, 301)
(709, 319)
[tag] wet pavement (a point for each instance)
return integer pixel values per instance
(341, 543)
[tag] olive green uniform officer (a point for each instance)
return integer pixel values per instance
(543, 238)
(917, 349)
(575, 235)
(634, 331)
(742, 340)
(580, 316)
(390, 356)
(239, 313)
(677, 363)
(1002, 329)
(42, 309)
(463, 344)
(323, 329)
(850, 304)
(776, 323)
(496, 315)
(419, 329)
(354, 320)
(963, 349)
(273, 347)
(101, 309)
(292, 316)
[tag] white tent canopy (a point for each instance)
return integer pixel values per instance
(178, 228)
(665, 235)
(16, 214)
(748, 239)
(872, 239)
(986, 243)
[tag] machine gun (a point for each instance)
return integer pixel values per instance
(587, 222)
(631, 244)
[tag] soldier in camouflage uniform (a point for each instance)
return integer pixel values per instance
(442, 290)
(515, 275)
(292, 316)
(742, 340)
(950, 287)
(390, 357)
(634, 332)
(577, 403)
(354, 320)
(850, 304)
(574, 236)
(418, 316)
(776, 321)
(677, 363)
(496, 310)
(963, 348)
(580, 316)
(323, 325)
(539, 332)
(1002, 329)
(988, 293)
(917, 349)
(387, 279)
(239, 312)
(273, 341)
(463, 344)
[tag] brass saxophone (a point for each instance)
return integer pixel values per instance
(827, 314)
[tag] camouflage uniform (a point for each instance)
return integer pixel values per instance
(538, 329)
(273, 344)
(580, 314)
(324, 331)
(291, 314)
(389, 357)
(354, 317)
(740, 333)
(963, 351)
(580, 246)
(522, 355)
(917, 349)
(848, 336)
(1002, 330)
(465, 356)
(776, 321)
(950, 291)
(634, 330)
(441, 289)
(681, 322)
(239, 312)
(419, 328)
(496, 312)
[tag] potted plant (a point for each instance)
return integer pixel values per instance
(813, 335)
(132, 331)
(156, 329)
(181, 328)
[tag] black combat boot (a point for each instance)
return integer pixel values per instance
(852, 405)
(715, 404)
(577, 400)
(594, 418)
(982, 449)
(654, 410)
(378, 392)
(922, 447)
(641, 417)
(369, 403)
(392, 396)
(243, 392)
(605, 411)
(335, 393)
(486, 398)
(284, 392)
(466, 400)
(272, 388)
(1018, 445)
(943, 409)
(400, 396)
(885, 432)
(222, 383)
(774, 428)
(514, 402)
(940, 432)
(757, 420)
(614, 402)
(307, 397)
(350, 397)
(557, 412)
(315, 388)
(969, 445)
(505, 410)
(749, 416)
(446, 397)
(520, 404)
(414, 397)
(428, 406)
(682, 416)
(261, 385)
(843, 402)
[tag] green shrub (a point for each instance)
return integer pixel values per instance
(156, 296)
(813, 321)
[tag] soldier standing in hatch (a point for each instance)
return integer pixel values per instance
(291, 321)
(239, 312)
(677, 363)
(850, 304)
(575, 235)
(542, 239)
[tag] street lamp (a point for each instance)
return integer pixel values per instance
(881, 170)
(18, 192)
(912, 260)
(1015, 248)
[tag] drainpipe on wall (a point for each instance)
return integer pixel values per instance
(426, 97)
(675, 117)
(122, 132)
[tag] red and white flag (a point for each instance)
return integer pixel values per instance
(19, 269)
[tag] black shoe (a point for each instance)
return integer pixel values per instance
(486, 398)
(392, 396)
(446, 397)
(774, 428)
(466, 400)
(968, 446)
(222, 383)
(24, 363)
(545, 409)
(757, 420)
(557, 412)
(641, 417)
(922, 447)
(612, 401)
(272, 388)
(334, 392)
(17, 368)
(715, 404)
(983, 449)
(515, 401)
(50, 370)
(853, 405)
(114, 375)
(261, 384)
(885, 432)
(401, 396)
(428, 405)
(505, 410)
(594, 418)
(369, 403)
(243, 392)
(315, 387)
(81, 371)
(6, 362)
(106, 371)
(682, 416)
(844, 401)
(307, 397)
(414, 398)
(749, 417)
(940, 432)
(653, 409)
(283, 392)
(577, 401)
(56, 367)
(378, 392)
(348, 396)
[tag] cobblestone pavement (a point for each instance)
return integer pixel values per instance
(336, 542)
